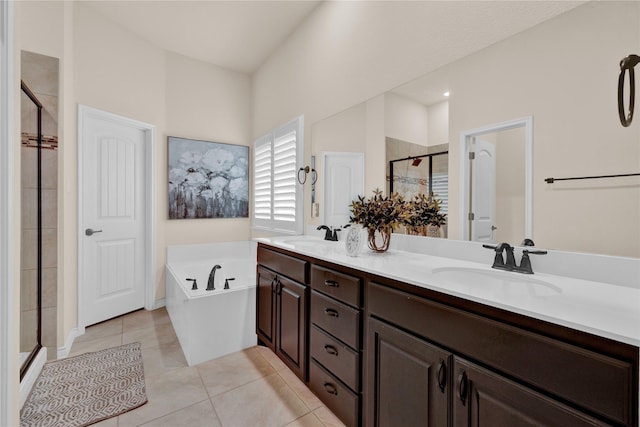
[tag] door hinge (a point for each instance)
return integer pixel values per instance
(472, 155)
(471, 216)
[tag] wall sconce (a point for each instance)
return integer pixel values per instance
(307, 170)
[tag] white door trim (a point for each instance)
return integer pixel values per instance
(465, 141)
(9, 368)
(150, 205)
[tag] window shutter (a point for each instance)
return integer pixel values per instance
(441, 190)
(262, 179)
(277, 195)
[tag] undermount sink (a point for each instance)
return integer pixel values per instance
(509, 283)
(304, 241)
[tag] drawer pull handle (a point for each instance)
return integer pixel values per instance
(331, 389)
(332, 283)
(442, 376)
(462, 387)
(331, 312)
(331, 349)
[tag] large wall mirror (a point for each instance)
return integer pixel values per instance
(563, 75)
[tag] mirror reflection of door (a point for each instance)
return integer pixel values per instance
(483, 185)
(498, 183)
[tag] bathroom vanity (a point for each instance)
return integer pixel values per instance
(409, 339)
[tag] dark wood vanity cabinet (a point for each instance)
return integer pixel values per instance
(436, 364)
(379, 352)
(408, 379)
(336, 341)
(281, 307)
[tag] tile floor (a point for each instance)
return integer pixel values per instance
(244, 389)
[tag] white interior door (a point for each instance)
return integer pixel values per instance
(343, 182)
(483, 198)
(112, 255)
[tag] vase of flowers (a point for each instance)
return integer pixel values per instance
(422, 216)
(379, 215)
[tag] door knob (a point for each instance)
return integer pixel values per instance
(91, 232)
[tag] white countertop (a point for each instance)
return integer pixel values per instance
(602, 309)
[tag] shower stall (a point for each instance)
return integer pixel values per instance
(39, 211)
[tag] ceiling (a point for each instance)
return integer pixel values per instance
(241, 34)
(238, 35)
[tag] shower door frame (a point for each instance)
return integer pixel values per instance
(24, 367)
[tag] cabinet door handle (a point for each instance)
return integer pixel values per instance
(331, 389)
(279, 287)
(274, 284)
(442, 376)
(331, 349)
(331, 312)
(332, 283)
(462, 387)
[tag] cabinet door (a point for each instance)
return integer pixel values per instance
(291, 325)
(265, 307)
(484, 398)
(407, 379)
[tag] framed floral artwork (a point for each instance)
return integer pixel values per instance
(207, 179)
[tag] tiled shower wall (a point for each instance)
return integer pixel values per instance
(40, 73)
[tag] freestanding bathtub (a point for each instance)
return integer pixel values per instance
(210, 324)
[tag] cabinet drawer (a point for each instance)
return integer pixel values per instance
(596, 382)
(289, 266)
(335, 356)
(342, 401)
(341, 286)
(340, 320)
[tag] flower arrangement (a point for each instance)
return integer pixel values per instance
(423, 211)
(378, 213)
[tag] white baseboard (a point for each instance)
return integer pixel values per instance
(66, 349)
(159, 303)
(32, 375)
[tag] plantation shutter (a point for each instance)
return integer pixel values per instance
(262, 178)
(441, 190)
(277, 195)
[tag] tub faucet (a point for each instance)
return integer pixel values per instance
(212, 277)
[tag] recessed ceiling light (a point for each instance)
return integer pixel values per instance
(446, 93)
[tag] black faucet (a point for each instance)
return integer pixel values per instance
(498, 261)
(212, 277)
(510, 263)
(226, 282)
(194, 286)
(330, 233)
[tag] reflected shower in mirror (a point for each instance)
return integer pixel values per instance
(414, 169)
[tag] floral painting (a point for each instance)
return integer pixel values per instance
(207, 179)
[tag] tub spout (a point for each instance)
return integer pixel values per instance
(212, 277)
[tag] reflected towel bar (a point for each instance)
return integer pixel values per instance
(552, 180)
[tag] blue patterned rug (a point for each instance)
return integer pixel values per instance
(85, 389)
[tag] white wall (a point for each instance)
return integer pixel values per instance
(406, 119)
(570, 89)
(562, 72)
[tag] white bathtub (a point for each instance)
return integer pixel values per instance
(210, 324)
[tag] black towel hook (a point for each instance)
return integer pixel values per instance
(627, 64)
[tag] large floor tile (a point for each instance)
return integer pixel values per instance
(95, 345)
(198, 415)
(153, 336)
(164, 358)
(167, 393)
(300, 389)
(327, 417)
(309, 420)
(233, 370)
(143, 319)
(271, 357)
(101, 330)
(265, 402)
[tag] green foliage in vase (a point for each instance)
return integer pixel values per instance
(378, 212)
